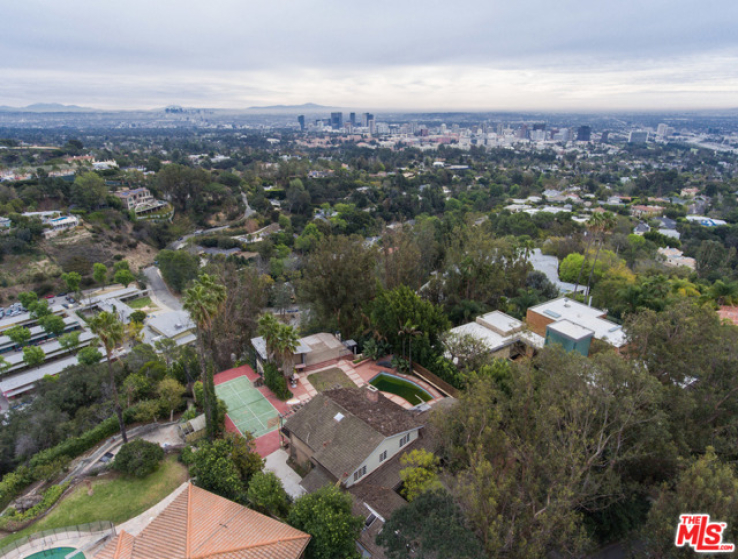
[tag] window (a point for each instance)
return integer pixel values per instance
(404, 440)
(369, 520)
(361, 472)
(383, 456)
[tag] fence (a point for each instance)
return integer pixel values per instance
(49, 537)
(435, 380)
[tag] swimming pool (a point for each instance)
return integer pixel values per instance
(403, 388)
(56, 553)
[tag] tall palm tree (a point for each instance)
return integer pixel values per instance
(723, 293)
(408, 331)
(112, 332)
(204, 301)
(287, 344)
(607, 224)
(269, 329)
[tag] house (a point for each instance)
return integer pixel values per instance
(60, 224)
(673, 257)
(502, 334)
(345, 434)
(640, 210)
(573, 325)
(641, 228)
(135, 197)
(198, 524)
(706, 221)
(5, 223)
(311, 351)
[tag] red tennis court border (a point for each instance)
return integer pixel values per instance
(270, 442)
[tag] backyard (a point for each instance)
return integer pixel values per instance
(140, 303)
(116, 498)
(325, 380)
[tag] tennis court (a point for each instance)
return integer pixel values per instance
(247, 407)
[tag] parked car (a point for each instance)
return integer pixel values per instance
(70, 299)
(64, 294)
(49, 296)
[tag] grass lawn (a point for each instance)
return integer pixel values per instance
(140, 303)
(116, 498)
(325, 380)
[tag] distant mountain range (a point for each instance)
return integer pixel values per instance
(47, 108)
(305, 106)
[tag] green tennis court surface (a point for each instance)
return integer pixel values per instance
(247, 407)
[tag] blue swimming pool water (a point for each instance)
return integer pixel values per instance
(56, 553)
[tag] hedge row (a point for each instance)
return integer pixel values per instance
(15, 521)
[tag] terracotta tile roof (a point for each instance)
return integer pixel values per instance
(201, 525)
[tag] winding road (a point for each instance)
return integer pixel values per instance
(160, 293)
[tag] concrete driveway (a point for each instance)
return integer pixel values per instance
(277, 462)
(160, 293)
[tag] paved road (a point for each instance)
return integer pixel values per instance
(159, 291)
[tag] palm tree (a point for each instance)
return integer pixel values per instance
(409, 331)
(269, 329)
(606, 225)
(723, 293)
(593, 225)
(204, 301)
(111, 332)
(287, 344)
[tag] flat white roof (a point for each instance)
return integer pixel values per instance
(23, 382)
(570, 330)
(501, 322)
(171, 324)
(490, 338)
(592, 318)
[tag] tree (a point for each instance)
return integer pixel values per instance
(53, 324)
(216, 468)
(4, 365)
(70, 341)
(337, 279)
(532, 454)
(592, 225)
(326, 516)
(431, 526)
(204, 301)
(27, 298)
(147, 411)
(138, 458)
(178, 268)
(88, 191)
(19, 335)
(124, 277)
(39, 309)
(707, 486)
(170, 395)
(89, 355)
(99, 273)
(111, 332)
(138, 316)
(135, 387)
(266, 494)
(420, 473)
(607, 224)
(269, 329)
(33, 356)
(72, 280)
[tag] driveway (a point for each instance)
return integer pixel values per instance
(160, 293)
(277, 462)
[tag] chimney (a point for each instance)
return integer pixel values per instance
(371, 393)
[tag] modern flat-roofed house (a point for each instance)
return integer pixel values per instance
(503, 335)
(198, 524)
(574, 325)
(345, 434)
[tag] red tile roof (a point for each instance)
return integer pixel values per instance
(201, 525)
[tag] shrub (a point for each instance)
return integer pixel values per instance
(276, 382)
(138, 458)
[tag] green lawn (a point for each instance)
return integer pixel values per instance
(325, 380)
(116, 498)
(140, 303)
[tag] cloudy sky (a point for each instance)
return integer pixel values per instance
(382, 54)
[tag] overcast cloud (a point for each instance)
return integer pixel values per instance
(450, 55)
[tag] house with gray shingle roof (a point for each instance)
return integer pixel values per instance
(345, 434)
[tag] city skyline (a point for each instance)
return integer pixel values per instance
(574, 56)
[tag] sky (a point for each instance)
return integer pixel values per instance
(452, 55)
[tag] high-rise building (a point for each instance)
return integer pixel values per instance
(366, 117)
(584, 134)
(604, 137)
(638, 137)
(539, 126)
(352, 119)
(372, 125)
(336, 121)
(301, 120)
